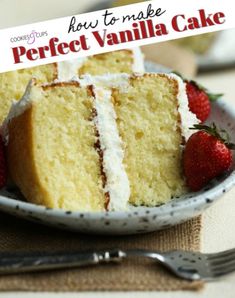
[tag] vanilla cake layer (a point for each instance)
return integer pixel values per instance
(51, 148)
(13, 84)
(149, 124)
(122, 61)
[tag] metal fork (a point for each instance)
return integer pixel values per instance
(184, 264)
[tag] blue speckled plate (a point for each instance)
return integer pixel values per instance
(138, 220)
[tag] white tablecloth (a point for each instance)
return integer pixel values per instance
(218, 231)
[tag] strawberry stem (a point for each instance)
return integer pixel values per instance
(220, 134)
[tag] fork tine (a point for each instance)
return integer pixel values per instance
(223, 272)
(222, 260)
(220, 255)
(223, 266)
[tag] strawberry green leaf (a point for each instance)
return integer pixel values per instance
(179, 75)
(214, 96)
(230, 146)
(220, 134)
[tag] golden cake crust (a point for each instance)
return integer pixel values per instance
(59, 84)
(20, 143)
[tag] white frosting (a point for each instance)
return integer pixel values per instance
(138, 65)
(188, 119)
(68, 69)
(117, 183)
(120, 81)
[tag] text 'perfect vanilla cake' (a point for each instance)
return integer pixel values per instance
(100, 146)
(13, 84)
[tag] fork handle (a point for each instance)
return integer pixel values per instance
(11, 263)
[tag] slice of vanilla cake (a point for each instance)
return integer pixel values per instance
(153, 121)
(105, 146)
(150, 126)
(53, 150)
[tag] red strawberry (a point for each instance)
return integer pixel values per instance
(199, 100)
(3, 172)
(207, 154)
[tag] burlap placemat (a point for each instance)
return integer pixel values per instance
(130, 275)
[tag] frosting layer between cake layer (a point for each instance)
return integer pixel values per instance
(188, 119)
(117, 184)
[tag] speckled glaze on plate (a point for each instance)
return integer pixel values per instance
(137, 220)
